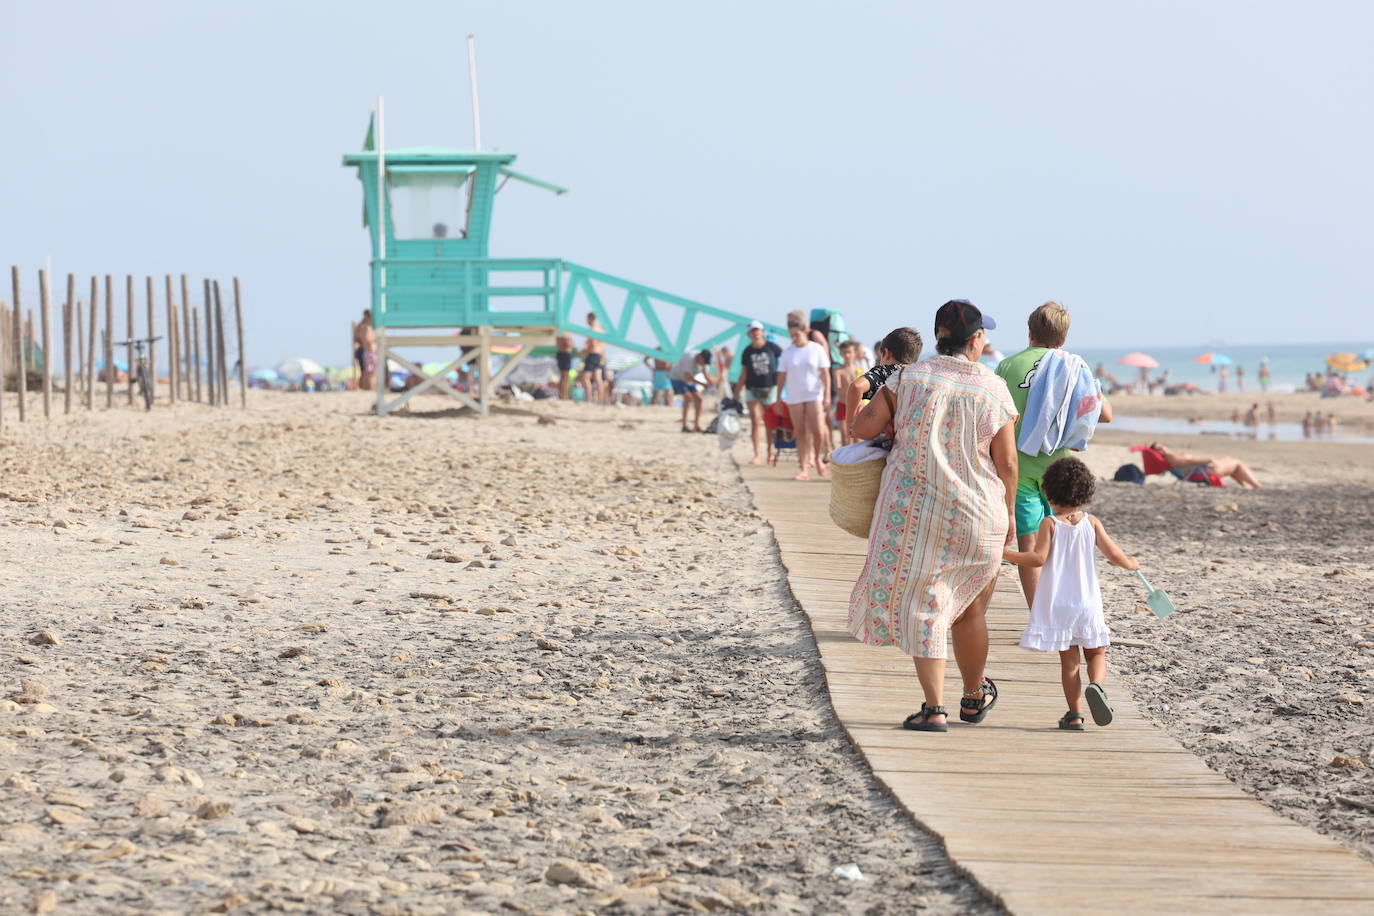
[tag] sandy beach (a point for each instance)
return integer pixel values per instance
(299, 658)
(1267, 669)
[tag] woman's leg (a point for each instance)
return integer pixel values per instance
(970, 633)
(1073, 681)
(820, 437)
(801, 428)
(931, 673)
(758, 430)
(1097, 664)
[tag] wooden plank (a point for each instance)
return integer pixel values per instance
(1120, 819)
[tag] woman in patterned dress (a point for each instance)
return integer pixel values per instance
(943, 515)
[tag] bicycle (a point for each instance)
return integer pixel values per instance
(145, 382)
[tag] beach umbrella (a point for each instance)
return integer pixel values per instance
(299, 368)
(1346, 362)
(1138, 360)
(263, 375)
(1214, 359)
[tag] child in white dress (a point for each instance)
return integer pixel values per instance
(1066, 615)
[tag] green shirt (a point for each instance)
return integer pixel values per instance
(1016, 371)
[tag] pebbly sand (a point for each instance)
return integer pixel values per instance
(302, 659)
(1266, 671)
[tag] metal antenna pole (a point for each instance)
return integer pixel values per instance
(472, 81)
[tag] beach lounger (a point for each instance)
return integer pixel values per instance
(1154, 463)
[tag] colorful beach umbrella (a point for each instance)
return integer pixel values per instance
(299, 368)
(1214, 359)
(1346, 362)
(1138, 360)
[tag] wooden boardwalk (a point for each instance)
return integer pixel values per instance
(1120, 819)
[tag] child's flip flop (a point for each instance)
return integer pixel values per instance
(1097, 703)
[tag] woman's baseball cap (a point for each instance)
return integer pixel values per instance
(960, 319)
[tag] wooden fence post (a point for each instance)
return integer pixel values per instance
(45, 317)
(67, 308)
(210, 379)
(189, 392)
(195, 348)
(221, 351)
(90, 343)
(21, 363)
(152, 347)
(109, 342)
(80, 316)
(172, 341)
(243, 368)
(129, 350)
(4, 357)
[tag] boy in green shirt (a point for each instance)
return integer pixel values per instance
(1049, 329)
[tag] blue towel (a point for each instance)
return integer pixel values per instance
(1062, 405)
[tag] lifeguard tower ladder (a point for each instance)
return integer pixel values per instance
(434, 285)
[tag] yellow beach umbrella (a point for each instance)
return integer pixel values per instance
(1346, 362)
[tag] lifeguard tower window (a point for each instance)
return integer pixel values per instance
(428, 202)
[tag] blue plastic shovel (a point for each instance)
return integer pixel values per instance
(1157, 599)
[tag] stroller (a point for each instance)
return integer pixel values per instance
(781, 435)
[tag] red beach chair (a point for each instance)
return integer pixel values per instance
(778, 421)
(1155, 464)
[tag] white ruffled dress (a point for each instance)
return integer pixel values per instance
(1067, 610)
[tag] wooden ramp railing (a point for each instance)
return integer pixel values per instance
(1112, 820)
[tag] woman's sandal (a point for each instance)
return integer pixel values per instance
(1068, 724)
(972, 709)
(920, 721)
(1098, 705)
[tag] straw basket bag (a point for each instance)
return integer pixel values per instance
(853, 494)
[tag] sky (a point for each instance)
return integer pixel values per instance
(1173, 172)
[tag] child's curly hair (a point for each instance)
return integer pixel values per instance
(1068, 482)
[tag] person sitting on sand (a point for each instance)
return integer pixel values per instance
(1066, 615)
(1225, 466)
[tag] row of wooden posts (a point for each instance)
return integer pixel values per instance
(189, 379)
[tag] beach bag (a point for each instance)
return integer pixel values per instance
(856, 476)
(727, 429)
(1130, 473)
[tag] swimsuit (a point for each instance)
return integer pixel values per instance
(592, 362)
(564, 361)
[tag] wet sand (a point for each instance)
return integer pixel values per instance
(303, 659)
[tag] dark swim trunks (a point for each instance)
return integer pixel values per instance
(592, 362)
(564, 361)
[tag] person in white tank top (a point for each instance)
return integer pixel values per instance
(1066, 613)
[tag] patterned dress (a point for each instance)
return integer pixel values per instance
(941, 518)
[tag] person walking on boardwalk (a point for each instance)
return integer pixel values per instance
(943, 517)
(804, 383)
(1066, 615)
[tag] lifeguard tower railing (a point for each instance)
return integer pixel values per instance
(549, 292)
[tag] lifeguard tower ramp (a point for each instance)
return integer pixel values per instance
(434, 285)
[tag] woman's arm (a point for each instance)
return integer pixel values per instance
(875, 417)
(1114, 554)
(1004, 459)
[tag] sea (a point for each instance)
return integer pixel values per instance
(1289, 364)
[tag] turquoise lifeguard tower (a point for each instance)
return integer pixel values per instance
(435, 285)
